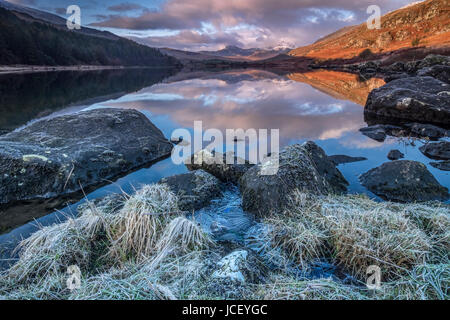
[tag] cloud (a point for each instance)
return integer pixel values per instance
(61, 11)
(263, 22)
(126, 6)
(23, 2)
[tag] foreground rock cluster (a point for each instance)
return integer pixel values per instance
(416, 91)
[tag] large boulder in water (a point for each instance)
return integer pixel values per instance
(404, 181)
(422, 99)
(62, 155)
(304, 167)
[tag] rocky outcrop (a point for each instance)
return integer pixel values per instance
(395, 155)
(422, 99)
(404, 181)
(195, 189)
(436, 150)
(230, 170)
(64, 154)
(305, 167)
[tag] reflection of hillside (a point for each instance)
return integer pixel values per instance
(230, 76)
(26, 97)
(339, 85)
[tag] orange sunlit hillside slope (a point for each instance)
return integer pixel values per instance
(425, 24)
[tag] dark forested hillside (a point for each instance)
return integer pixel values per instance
(34, 42)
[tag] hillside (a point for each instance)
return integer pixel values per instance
(27, 40)
(426, 24)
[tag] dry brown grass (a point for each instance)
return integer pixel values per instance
(136, 229)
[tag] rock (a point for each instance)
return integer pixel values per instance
(436, 150)
(239, 266)
(379, 132)
(195, 189)
(395, 155)
(341, 159)
(427, 130)
(60, 155)
(432, 60)
(230, 266)
(441, 165)
(438, 72)
(217, 165)
(395, 76)
(374, 132)
(422, 99)
(404, 181)
(233, 273)
(305, 167)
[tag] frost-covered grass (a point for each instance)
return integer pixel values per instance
(147, 249)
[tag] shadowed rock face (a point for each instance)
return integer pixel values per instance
(64, 154)
(404, 181)
(304, 167)
(422, 99)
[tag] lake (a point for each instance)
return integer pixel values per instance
(323, 106)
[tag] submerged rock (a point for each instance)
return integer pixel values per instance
(404, 181)
(427, 130)
(341, 159)
(64, 154)
(379, 132)
(195, 189)
(305, 167)
(436, 150)
(217, 165)
(423, 99)
(395, 155)
(441, 165)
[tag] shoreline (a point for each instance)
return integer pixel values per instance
(23, 69)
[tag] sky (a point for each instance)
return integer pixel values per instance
(213, 24)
